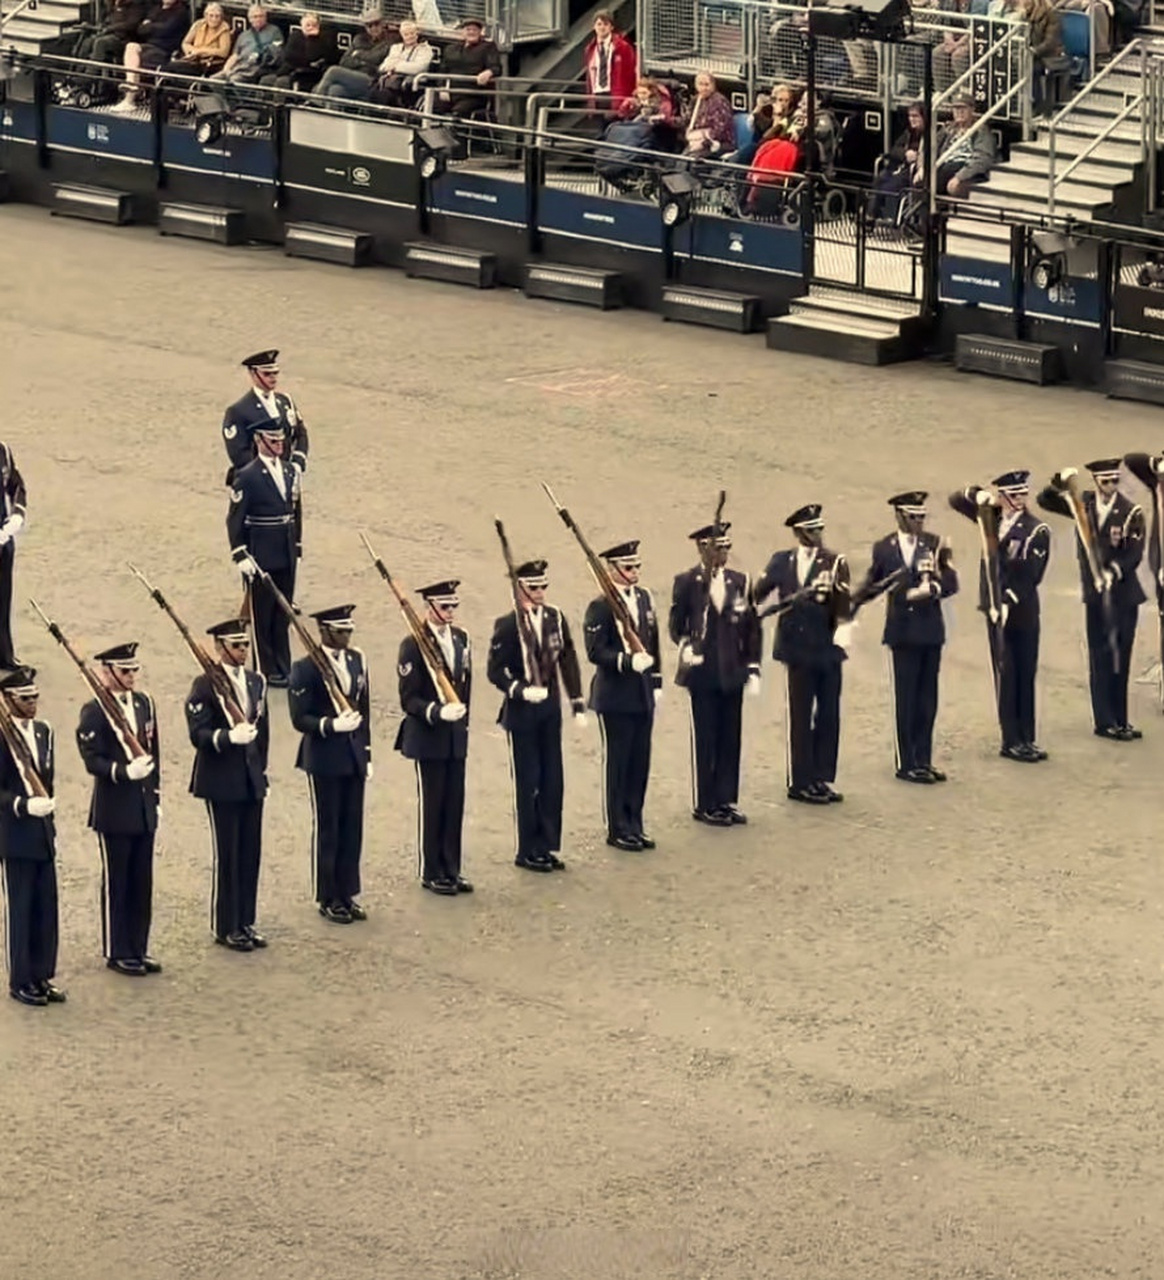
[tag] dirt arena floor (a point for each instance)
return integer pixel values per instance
(913, 1037)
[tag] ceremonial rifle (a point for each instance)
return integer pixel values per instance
(865, 595)
(614, 597)
(430, 651)
(220, 682)
(21, 753)
(988, 517)
(1089, 541)
(105, 696)
(529, 643)
(1158, 499)
(323, 664)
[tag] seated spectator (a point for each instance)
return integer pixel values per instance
(118, 29)
(951, 59)
(1045, 34)
(965, 157)
(410, 57)
(159, 37)
(904, 167)
(770, 109)
(308, 52)
(257, 50)
(646, 122)
(709, 127)
(610, 64)
(357, 68)
(474, 56)
(206, 45)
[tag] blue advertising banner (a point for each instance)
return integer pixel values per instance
(755, 246)
(586, 217)
(230, 156)
(971, 280)
(472, 195)
(100, 134)
(18, 122)
(1078, 301)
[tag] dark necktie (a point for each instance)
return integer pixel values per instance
(602, 65)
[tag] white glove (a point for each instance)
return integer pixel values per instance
(688, 657)
(241, 734)
(13, 525)
(581, 720)
(1108, 579)
(843, 635)
(641, 662)
(1004, 614)
(535, 693)
(1159, 469)
(1160, 576)
(247, 567)
(139, 767)
(345, 722)
(41, 806)
(368, 772)
(453, 711)
(5, 537)
(1068, 473)
(658, 695)
(753, 686)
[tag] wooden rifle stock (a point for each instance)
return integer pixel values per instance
(21, 755)
(339, 700)
(528, 641)
(614, 597)
(1088, 539)
(108, 703)
(219, 680)
(434, 659)
(865, 595)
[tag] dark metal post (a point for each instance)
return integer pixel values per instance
(1018, 275)
(934, 222)
(808, 196)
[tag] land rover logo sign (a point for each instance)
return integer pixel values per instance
(360, 175)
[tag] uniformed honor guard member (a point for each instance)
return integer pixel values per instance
(230, 774)
(1024, 547)
(1149, 471)
(713, 621)
(263, 403)
(1117, 525)
(531, 713)
(262, 531)
(435, 734)
(915, 630)
(623, 695)
(336, 754)
(28, 847)
(124, 811)
(13, 498)
(813, 592)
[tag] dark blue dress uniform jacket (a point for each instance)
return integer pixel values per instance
(326, 754)
(804, 633)
(616, 687)
(222, 771)
(423, 735)
(22, 836)
(1120, 545)
(506, 668)
(261, 521)
(245, 414)
(120, 806)
(1023, 554)
(730, 641)
(912, 622)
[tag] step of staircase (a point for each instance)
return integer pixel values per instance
(1022, 198)
(30, 25)
(856, 327)
(985, 241)
(1087, 126)
(1074, 190)
(20, 44)
(1092, 172)
(1070, 143)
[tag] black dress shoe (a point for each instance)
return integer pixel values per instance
(276, 682)
(936, 775)
(1019, 751)
(463, 885)
(806, 795)
(630, 844)
(1128, 734)
(534, 863)
(446, 888)
(833, 797)
(52, 993)
(256, 939)
(556, 862)
(718, 818)
(645, 841)
(355, 910)
(734, 816)
(131, 968)
(29, 995)
(150, 965)
(236, 942)
(1037, 751)
(915, 775)
(1110, 731)
(335, 912)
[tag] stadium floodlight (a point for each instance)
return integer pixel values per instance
(211, 112)
(676, 197)
(432, 148)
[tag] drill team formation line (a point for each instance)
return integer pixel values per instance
(715, 619)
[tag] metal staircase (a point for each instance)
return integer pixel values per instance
(1094, 160)
(32, 26)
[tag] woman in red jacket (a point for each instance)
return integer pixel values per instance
(612, 66)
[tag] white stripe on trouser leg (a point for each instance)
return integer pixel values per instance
(694, 755)
(893, 709)
(106, 903)
(314, 835)
(213, 870)
(7, 918)
(788, 726)
(513, 793)
(604, 775)
(419, 822)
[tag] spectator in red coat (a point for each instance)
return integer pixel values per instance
(611, 63)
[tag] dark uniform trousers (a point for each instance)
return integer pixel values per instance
(1016, 684)
(127, 888)
(338, 805)
(30, 889)
(915, 691)
(1109, 679)
(271, 624)
(441, 790)
(717, 717)
(814, 723)
(626, 739)
(237, 828)
(7, 564)
(535, 752)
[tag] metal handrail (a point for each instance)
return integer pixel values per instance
(1134, 47)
